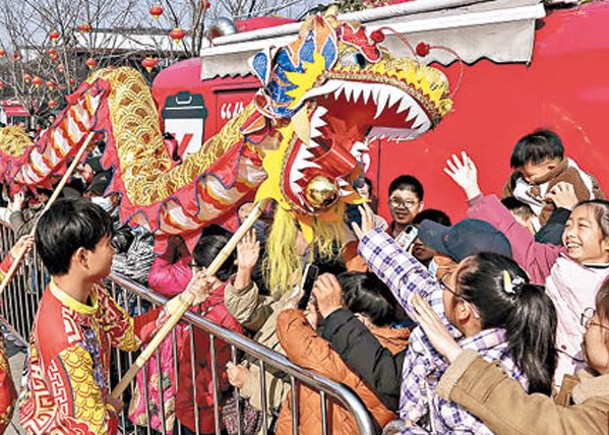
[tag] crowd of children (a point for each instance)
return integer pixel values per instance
(496, 324)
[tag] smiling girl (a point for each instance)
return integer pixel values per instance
(572, 273)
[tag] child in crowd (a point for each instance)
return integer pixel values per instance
(581, 407)
(365, 297)
(405, 201)
(572, 273)
(212, 308)
(8, 394)
(478, 301)
(77, 321)
(539, 163)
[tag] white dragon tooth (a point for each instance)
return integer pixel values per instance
(313, 144)
(348, 92)
(382, 101)
(306, 164)
(366, 92)
(304, 154)
(321, 111)
(338, 92)
(405, 103)
(394, 97)
(341, 182)
(376, 90)
(357, 91)
(295, 175)
(345, 192)
(296, 188)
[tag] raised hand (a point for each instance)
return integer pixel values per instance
(563, 195)
(464, 173)
(328, 294)
(439, 336)
(200, 286)
(367, 221)
(237, 374)
(23, 246)
(248, 252)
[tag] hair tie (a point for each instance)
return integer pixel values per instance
(512, 286)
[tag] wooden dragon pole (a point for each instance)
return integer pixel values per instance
(17, 261)
(181, 303)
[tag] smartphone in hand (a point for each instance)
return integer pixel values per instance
(308, 279)
(407, 237)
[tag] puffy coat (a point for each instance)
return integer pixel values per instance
(377, 356)
(486, 391)
(212, 309)
(167, 279)
(304, 347)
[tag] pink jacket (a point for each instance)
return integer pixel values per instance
(536, 258)
(571, 285)
(169, 279)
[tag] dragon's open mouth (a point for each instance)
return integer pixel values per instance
(346, 116)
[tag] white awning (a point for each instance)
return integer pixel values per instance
(500, 30)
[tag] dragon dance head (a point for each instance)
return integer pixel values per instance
(328, 94)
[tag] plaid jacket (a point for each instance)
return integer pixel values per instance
(423, 366)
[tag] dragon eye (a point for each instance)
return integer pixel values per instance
(360, 60)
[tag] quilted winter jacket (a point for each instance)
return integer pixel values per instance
(304, 347)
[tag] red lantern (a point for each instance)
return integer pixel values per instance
(156, 12)
(1, 85)
(177, 35)
(51, 84)
(54, 35)
(84, 27)
(52, 104)
(149, 63)
(206, 4)
(72, 82)
(55, 57)
(27, 78)
(37, 81)
(16, 56)
(2, 52)
(52, 52)
(91, 63)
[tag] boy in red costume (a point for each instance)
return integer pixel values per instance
(77, 321)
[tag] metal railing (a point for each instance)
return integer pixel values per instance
(20, 302)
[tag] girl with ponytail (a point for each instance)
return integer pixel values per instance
(581, 406)
(500, 293)
(486, 303)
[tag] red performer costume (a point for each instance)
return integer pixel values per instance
(67, 379)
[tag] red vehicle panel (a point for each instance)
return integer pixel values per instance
(565, 88)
